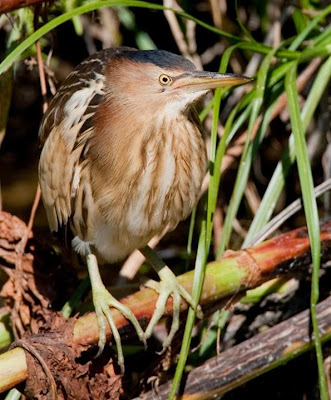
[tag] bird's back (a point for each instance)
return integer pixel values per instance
(64, 133)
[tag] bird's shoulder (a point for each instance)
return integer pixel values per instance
(80, 93)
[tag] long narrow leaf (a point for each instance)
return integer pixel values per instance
(16, 53)
(277, 181)
(302, 36)
(204, 241)
(310, 207)
(246, 158)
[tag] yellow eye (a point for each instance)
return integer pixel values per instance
(165, 80)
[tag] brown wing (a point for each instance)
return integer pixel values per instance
(65, 132)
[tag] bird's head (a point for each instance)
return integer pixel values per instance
(161, 82)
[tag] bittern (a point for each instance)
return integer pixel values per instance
(123, 158)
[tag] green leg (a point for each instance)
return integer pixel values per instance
(102, 300)
(168, 286)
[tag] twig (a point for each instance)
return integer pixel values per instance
(175, 28)
(18, 327)
(287, 213)
(42, 78)
(188, 49)
(252, 196)
(217, 226)
(216, 12)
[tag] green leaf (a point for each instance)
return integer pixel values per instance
(248, 153)
(311, 212)
(13, 394)
(204, 244)
(314, 23)
(277, 181)
(16, 53)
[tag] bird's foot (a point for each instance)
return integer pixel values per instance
(102, 301)
(169, 286)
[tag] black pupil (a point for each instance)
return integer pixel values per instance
(164, 79)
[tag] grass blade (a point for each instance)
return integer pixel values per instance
(204, 239)
(302, 36)
(277, 181)
(46, 28)
(246, 159)
(310, 207)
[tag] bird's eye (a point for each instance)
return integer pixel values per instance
(165, 80)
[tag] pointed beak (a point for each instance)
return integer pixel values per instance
(197, 81)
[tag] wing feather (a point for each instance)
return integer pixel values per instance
(65, 134)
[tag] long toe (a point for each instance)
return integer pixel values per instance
(169, 286)
(102, 301)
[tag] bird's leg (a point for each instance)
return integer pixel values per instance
(102, 300)
(168, 286)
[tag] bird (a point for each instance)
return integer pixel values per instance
(123, 157)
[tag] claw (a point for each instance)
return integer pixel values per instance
(168, 286)
(102, 300)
